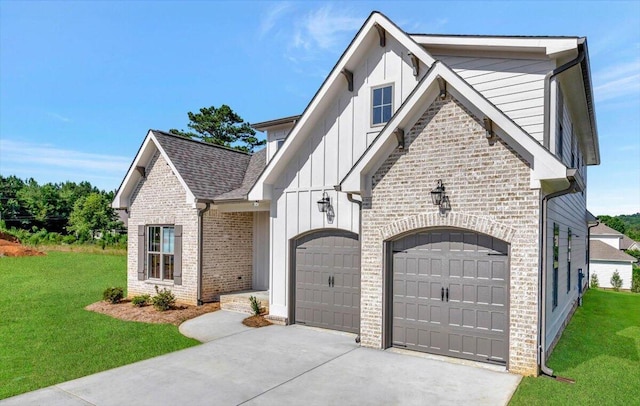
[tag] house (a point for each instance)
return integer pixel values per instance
(607, 255)
(430, 197)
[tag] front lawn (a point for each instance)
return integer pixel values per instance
(600, 349)
(47, 337)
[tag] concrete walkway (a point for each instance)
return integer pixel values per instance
(278, 365)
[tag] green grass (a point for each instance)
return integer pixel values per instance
(600, 349)
(47, 337)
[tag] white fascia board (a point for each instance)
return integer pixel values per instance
(544, 165)
(293, 141)
(190, 198)
(131, 179)
(550, 46)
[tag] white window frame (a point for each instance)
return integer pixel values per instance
(373, 89)
(161, 253)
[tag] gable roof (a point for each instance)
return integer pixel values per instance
(603, 229)
(627, 243)
(545, 166)
(333, 82)
(205, 170)
(599, 250)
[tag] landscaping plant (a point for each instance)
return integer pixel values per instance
(594, 284)
(616, 281)
(635, 280)
(140, 300)
(113, 295)
(163, 300)
(255, 305)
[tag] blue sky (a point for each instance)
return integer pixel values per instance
(82, 82)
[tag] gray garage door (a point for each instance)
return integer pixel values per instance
(450, 295)
(327, 280)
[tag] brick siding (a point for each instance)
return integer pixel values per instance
(488, 186)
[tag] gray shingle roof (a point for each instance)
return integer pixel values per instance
(626, 243)
(208, 170)
(603, 229)
(254, 169)
(602, 251)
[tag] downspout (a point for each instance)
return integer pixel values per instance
(359, 203)
(200, 240)
(542, 305)
(542, 302)
(547, 92)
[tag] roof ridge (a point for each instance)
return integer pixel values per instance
(199, 142)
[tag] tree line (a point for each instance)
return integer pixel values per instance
(58, 212)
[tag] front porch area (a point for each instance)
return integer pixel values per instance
(239, 301)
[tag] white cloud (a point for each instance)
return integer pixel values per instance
(48, 163)
(275, 13)
(617, 81)
(323, 29)
(58, 117)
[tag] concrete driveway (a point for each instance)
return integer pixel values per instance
(278, 365)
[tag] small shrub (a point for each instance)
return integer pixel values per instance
(594, 284)
(635, 280)
(163, 300)
(113, 294)
(616, 281)
(255, 305)
(140, 300)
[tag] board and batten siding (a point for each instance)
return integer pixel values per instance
(515, 86)
(335, 139)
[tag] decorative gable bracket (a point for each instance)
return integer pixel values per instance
(142, 171)
(415, 63)
(490, 134)
(399, 133)
(443, 87)
(349, 76)
(382, 34)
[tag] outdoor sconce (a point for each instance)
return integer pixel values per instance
(324, 203)
(440, 199)
(437, 194)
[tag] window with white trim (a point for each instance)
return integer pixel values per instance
(381, 104)
(279, 143)
(160, 252)
(556, 265)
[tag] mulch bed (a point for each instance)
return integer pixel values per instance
(256, 321)
(148, 314)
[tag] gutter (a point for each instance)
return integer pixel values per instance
(200, 240)
(542, 278)
(547, 92)
(338, 188)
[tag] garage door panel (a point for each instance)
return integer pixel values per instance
(327, 282)
(472, 323)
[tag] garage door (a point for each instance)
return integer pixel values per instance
(327, 280)
(450, 296)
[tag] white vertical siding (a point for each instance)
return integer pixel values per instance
(335, 140)
(273, 136)
(516, 86)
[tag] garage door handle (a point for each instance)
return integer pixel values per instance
(333, 281)
(442, 294)
(447, 294)
(329, 281)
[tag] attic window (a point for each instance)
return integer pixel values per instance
(382, 104)
(279, 144)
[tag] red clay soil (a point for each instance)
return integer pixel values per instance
(10, 247)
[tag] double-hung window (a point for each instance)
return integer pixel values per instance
(382, 104)
(568, 260)
(160, 252)
(556, 265)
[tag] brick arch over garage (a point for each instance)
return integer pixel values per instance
(453, 220)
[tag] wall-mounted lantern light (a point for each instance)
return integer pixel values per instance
(324, 203)
(440, 199)
(437, 194)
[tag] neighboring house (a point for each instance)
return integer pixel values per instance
(351, 238)
(606, 255)
(627, 244)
